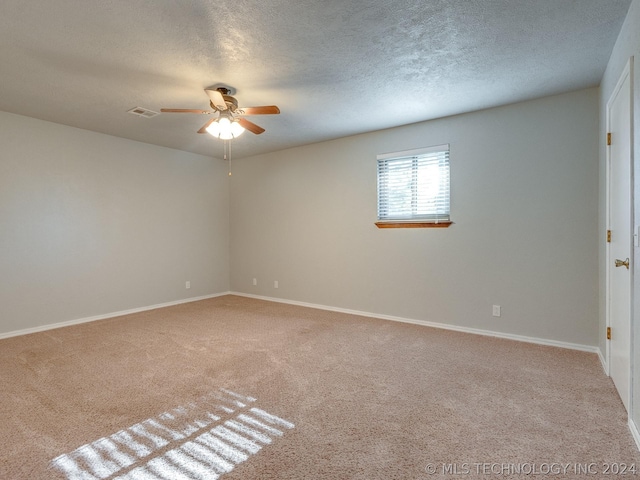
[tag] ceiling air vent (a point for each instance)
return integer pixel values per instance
(143, 112)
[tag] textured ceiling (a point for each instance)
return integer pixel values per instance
(334, 67)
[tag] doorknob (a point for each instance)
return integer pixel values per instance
(620, 263)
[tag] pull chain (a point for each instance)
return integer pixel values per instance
(227, 148)
(224, 150)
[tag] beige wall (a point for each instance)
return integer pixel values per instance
(92, 224)
(524, 202)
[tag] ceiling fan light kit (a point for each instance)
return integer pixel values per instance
(230, 122)
(225, 129)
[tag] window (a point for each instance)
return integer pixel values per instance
(413, 188)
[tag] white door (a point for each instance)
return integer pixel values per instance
(619, 251)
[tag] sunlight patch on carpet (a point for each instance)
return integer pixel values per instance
(199, 441)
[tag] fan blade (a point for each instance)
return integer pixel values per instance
(216, 99)
(204, 127)
(265, 110)
(252, 127)
(184, 110)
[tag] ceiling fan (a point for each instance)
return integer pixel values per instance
(229, 122)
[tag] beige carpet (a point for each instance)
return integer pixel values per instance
(238, 388)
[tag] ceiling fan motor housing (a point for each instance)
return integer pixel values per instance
(232, 103)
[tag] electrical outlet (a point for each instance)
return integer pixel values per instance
(255, 281)
(187, 285)
(275, 284)
(496, 310)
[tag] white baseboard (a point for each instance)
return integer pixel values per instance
(43, 328)
(603, 361)
(634, 433)
(476, 331)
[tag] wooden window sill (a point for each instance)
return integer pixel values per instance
(446, 224)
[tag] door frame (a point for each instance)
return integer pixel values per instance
(626, 72)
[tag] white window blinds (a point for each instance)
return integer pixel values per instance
(414, 185)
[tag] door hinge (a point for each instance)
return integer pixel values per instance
(608, 236)
(608, 333)
(608, 138)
